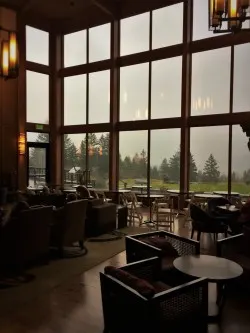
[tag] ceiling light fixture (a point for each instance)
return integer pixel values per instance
(234, 12)
(9, 68)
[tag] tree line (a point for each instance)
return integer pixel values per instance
(130, 167)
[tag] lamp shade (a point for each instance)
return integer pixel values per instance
(5, 59)
(22, 144)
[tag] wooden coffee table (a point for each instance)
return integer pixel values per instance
(216, 270)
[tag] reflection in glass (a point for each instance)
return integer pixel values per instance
(211, 82)
(37, 97)
(75, 48)
(133, 158)
(98, 151)
(165, 162)
(167, 26)
(166, 88)
(240, 161)
(135, 34)
(99, 43)
(37, 45)
(241, 100)
(134, 92)
(37, 137)
(209, 157)
(99, 97)
(75, 100)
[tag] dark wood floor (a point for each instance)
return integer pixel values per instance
(75, 306)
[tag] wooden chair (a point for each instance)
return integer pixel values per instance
(134, 207)
(163, 212)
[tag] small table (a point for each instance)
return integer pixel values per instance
(216, 270)
(230, 208)
(207, 196)
(225, 193)
(140, 187)
(150, 197)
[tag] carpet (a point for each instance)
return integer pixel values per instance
(59, 271)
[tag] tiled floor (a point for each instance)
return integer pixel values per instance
(75, 306)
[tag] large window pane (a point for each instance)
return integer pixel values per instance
(167, 26)
(74, 159)
(241, 78)
(165, 162)
(133, 158)
(209, 159)
(75, 48)
(37, 98)
(211, 82)
(134, 92)
(99, 43)
(99, 97)
(240, 161)
(135, 34)
(166, 88)
(98, 151)
(37, 137)
(75, 100)
(200, 25)
(37, 46)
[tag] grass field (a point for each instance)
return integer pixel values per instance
(197, 187)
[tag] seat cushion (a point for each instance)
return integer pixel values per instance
(143, 287)
(160, 286)
(162, 244)
(167, 263)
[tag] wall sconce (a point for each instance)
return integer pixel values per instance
(9, 68)
(22, 144)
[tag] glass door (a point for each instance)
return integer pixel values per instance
(38, 174)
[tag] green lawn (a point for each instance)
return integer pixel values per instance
(197, 187)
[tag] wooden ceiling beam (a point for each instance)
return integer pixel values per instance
(107, 7)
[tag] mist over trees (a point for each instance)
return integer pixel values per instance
(131, 167)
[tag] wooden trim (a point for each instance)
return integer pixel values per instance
(114, 107)
(212, 43)
(186, 98)
(149, 124)
(230, 139)
(86, 68)
(88, 128)
(87, 106)
(31, 127)
(218, 120)
(34, 67)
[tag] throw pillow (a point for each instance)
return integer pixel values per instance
(164, 245)
(143, 287)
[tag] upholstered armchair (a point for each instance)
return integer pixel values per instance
(135, 299)
(25, 239)
(69, 226)
(165, 245)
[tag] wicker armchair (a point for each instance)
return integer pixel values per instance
(233, 248)
(180, 309)
(136, 249)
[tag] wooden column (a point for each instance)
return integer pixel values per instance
(186, 96)
(114, 106)
(9, 158)
(56, 107)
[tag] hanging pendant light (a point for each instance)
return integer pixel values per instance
(234, 12)
(9, 57)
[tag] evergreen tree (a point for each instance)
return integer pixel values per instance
(211, 171)
(37, 156)
(154, 173)
(174, 167)
(164, 169)
(193, 171)
(70, 153)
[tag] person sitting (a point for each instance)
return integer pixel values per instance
(238, 219)
(14, 211)
(71, 197)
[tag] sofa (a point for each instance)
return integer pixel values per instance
(24, 240)
(69, 226)
(134, 299)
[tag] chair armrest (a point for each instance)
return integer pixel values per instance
(137, 250)
(184, 246)
(229, 245)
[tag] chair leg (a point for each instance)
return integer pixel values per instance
(192, 233)
(225, 234)
(81, 244)
(198, 236)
